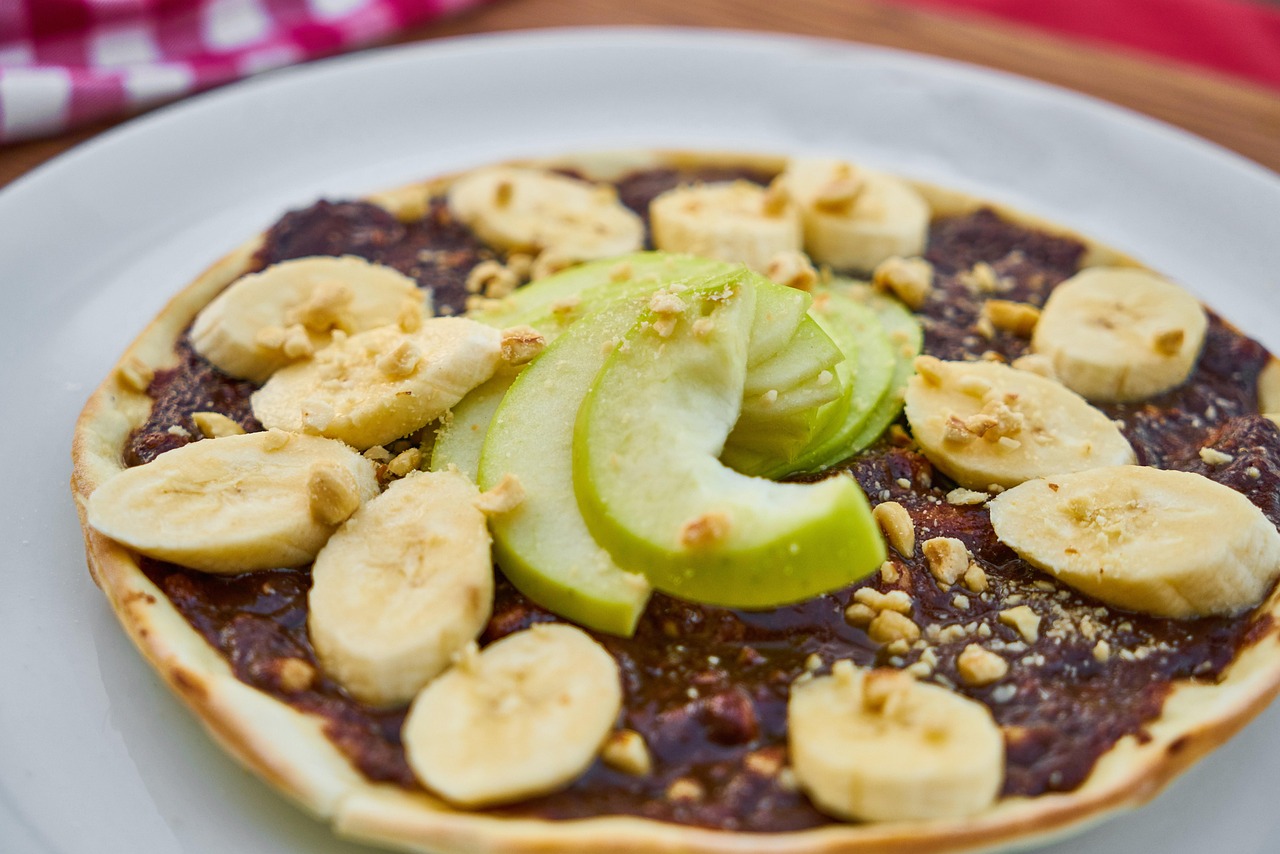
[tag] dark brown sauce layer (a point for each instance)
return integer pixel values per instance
(707, 687)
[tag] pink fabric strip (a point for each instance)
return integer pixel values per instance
(67, 62)
(1235, 37)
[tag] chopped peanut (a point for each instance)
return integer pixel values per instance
(898, 528)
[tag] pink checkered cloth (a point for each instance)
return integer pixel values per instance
(67, 62)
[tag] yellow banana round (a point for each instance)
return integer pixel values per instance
(380, 385)
(533, 210)
(402, 587)
(735, 221)
(984, 423)
(879, 746)
(522, 718)
(854, 218)
(235, 504)
(1170, 543)
(1115, 334)
(288, 311)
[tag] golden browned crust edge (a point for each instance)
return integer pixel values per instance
(288, 748)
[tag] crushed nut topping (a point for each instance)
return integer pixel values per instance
(521, 344)
(978, 666)
(894, 600)
(504, 497)
(838, 195)
(975, 578)
(909, 279)
(323, 308)
(215, 425)
(1214, 457)
(401, 361)
(981, 278)
(295, 674)
(962, 497)
(333, 494)
(405, 462)
(627, 752)
(898, 528)
(948, 558)
(1023, 620)
(136, 374)
(792, 269)
(491, 279)
(1018, 318)
(706, 530)
(685, 789)
(890, 626)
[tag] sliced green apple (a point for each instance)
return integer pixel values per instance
(870, 365)
(784, 400)
(653, 492)
(543, 545)
(553, 303)
(906, 338)
(460, 439)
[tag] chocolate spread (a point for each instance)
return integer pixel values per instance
(707, 687)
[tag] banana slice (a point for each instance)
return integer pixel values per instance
(402, 587)
(380, 385)
(531, 210)
(735, 221)
(1170, 543)
(855, 218)
(879, 746)
(235, 504)
(522, 718)
(984, 423)
(1120, 334)
(287, 312)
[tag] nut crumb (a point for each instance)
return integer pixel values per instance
(792, 269)
(1214, 457)
(1017, 318)
(859, 615)
(898, 528)
(1024, 621)
(894, 600)
(627, 752)
(909, 279)
(521, 344)
(948, 558)
(975, 578)
(332, 494)
(961, 496)
(890, 626)
(889, 572)
(1102, 651)
(978, 666)
(706, 530)
(136, 374)
(404, 462)
(295, 674)
(215, 425)
(685, 789)
(506, 496)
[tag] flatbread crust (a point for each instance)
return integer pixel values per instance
(289, 749)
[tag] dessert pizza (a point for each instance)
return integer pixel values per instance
(672, 501)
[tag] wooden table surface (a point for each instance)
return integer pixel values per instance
(1237, 115)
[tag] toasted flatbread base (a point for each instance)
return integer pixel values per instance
(289, 749)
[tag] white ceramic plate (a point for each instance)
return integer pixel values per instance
(95, 755)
